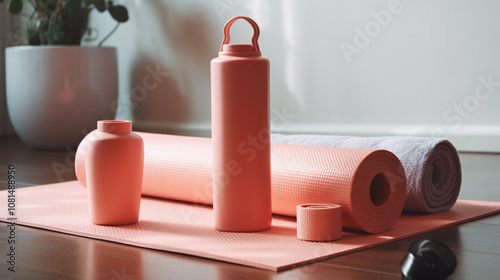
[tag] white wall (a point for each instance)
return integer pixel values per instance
(423, 72)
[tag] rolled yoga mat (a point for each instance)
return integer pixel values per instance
(432, 165)
(370, 185)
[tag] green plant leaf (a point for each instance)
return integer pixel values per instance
(100, 5)
(15, 6)
(118, 12)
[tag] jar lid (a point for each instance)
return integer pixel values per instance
(114, 126)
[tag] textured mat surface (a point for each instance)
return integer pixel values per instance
(432, 165)
(187, 228)
(369, 184)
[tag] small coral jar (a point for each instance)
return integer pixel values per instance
(114, 166)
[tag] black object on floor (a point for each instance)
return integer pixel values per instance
(428, 259)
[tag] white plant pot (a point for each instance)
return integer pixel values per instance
(56, 94)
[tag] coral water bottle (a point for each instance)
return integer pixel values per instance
(240, 135)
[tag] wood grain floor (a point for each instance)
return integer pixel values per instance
(44, 254)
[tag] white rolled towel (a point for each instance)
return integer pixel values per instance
(432, 165)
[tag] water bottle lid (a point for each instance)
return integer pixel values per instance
(225, 46)
(237, 48)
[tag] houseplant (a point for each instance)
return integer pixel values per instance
(57, 89)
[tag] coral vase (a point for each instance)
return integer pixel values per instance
(114, 166)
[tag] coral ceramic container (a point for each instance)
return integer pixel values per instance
(240, 133)
(113, 169)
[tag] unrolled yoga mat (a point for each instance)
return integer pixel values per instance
(370, 185)
(188, 228)
(432, 165)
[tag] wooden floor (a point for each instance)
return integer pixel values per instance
(42, 254)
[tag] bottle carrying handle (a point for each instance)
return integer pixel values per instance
(255, 37)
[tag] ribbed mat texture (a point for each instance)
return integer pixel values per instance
(319, 222)
(187, 228)
(370, 185)
(432, 165)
